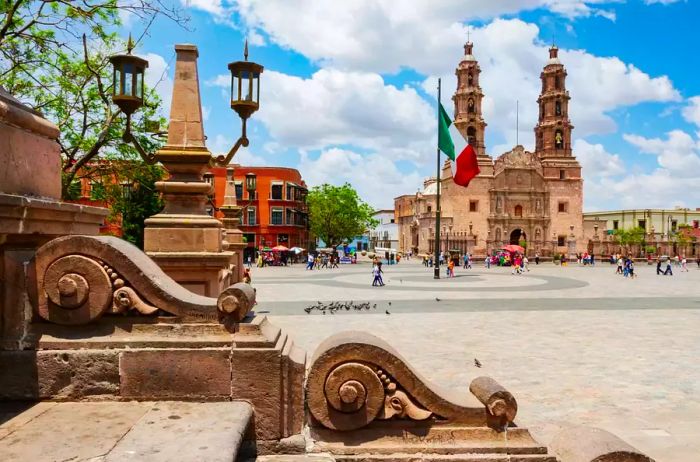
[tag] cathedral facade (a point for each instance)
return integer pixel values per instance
(534, 199)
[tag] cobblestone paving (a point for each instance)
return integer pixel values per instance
(595, 349)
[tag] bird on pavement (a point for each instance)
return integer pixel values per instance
(387, 312)
(477, 363)
(437, 299)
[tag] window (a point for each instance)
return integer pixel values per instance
(392, 221)
(557, 83)
(251, 216)
(674, 225)
(473, 206)
(518, 210)
(561, 241)
(557, 108)
(642, 224)
(276, 216)
(430, 209)
(290, 216)
(563, 207)
(290, 192)
(616, 224)
(239, 189)
(276, 192)
(562, 174)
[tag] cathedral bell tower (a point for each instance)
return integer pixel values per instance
(553, 130)
(467, 102)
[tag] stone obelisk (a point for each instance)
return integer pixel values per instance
(183, 239)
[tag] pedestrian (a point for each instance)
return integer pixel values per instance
(669, 271)
(451, 268)
(537, 258)
(658, 267)
(631, 269)
(487, 262)
(379, 268)
(526, 262)
(619, 266)
(310, 262)
(684, 264)
(592, 260)
(375, 273)
(466, 260)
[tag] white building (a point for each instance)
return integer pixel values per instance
(386, 233)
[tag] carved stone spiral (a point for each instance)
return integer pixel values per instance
(351, 397)
(77, 290)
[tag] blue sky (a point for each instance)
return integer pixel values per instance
(348, 92)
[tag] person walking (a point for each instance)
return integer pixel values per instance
(466, 260)
(537, 258)
(375, 273)
(631, 269)
(487, 262)
(684, 264)
(526, 263)
(379, 268)
(669, 271)
(619, 266)
(451, 268)
(310, 262)
(658, 267)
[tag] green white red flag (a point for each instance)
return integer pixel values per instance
(462, 155)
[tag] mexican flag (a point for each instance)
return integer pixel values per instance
(461, 154)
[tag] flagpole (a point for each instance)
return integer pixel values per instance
(436, 262)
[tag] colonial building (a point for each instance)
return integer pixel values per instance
(277, 214)
(385, 234)
(534, 198)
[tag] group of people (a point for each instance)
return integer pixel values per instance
(585, 259)
(322, 260)
(625, 267)
(681, 262)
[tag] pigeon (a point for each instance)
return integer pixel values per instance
(387, 312)
(437, 299)
(374, 306)
(389, 303)
(308, 310)
(477, 363)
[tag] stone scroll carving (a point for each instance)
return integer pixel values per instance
(356, 378)
(77, 279)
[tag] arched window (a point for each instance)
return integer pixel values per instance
(470, 106)
(539, 141)
(557, 83)
(518, 210)
(470, 79)
(471, 136)
(542, 106)
(558, 139)
(557, 108)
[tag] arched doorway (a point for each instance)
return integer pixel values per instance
(516, 236)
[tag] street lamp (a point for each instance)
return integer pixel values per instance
(128, 95)
(251, 183)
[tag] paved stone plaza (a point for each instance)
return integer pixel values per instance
(572, 343)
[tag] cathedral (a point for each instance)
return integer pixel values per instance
(533, 199)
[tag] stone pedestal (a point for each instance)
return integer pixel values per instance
(31, 212)
(183, 239)
(232, 219)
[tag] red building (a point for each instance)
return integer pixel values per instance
(277, 215)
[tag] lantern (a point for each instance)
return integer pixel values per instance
(245, 86)
(127, 80)
(250, 183)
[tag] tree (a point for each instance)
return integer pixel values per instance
(628, 237)
(54, 58)
(336, 213)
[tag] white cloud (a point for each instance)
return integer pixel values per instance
(596, 161)
(158, 76)
(678, 153)
(345, 108)
(374, 176)
(691, 112)
(382, 36)
(206, 112)
(215, 7)
(662, 2)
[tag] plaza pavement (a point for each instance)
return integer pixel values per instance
(575, 344)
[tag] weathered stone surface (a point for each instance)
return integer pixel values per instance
(71, 431)
(15, 312)
(181, 373)
(178, 431)
(77, 374)
(578, 443)
(24, 131)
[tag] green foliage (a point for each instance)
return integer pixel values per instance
(131, 193)
(633, 236)
(522, 243)
(337, 213)
(650, 249)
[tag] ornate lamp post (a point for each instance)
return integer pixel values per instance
(183, 235)
(128, 95)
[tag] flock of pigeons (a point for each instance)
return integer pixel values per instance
(332, 307)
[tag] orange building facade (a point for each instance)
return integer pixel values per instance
(277, 215)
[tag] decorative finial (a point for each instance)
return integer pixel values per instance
(245, 50)
(129, 44)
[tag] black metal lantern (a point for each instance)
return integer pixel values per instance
(251, 180)
(245, 85)
(127, 80)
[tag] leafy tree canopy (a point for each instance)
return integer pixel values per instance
(336, 213)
